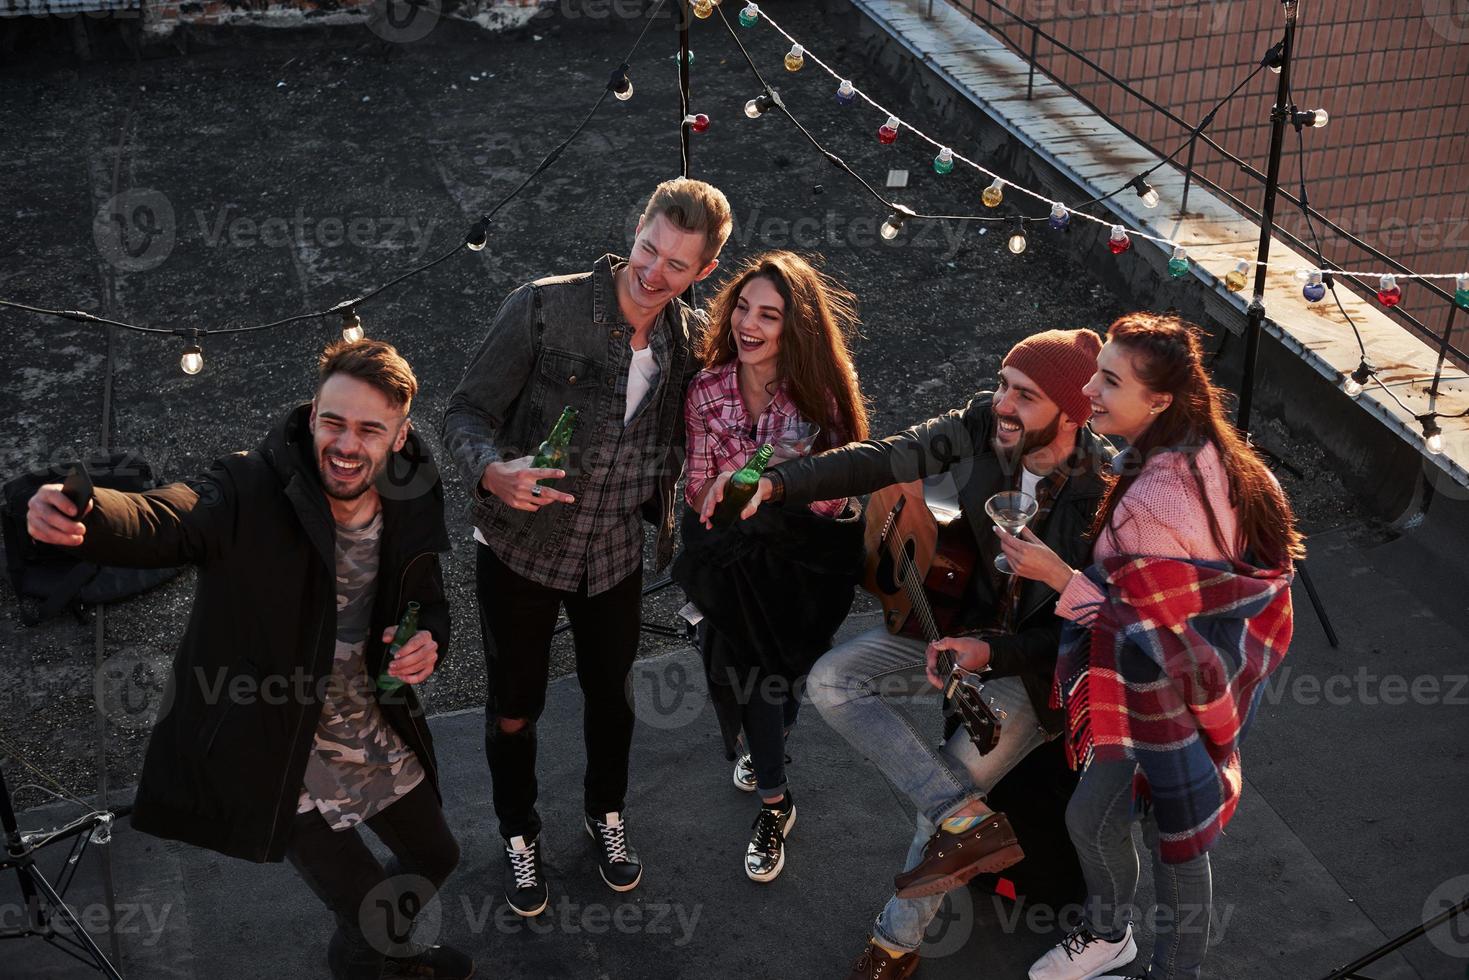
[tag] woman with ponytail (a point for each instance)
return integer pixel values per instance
(1184, 612)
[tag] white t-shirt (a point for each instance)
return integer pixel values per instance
(1029, 481)
(642, 375)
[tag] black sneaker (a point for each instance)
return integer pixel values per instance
(766, 854)
(617, 861)
(431, 963)
(525, 885)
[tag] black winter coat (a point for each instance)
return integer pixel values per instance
(960, 443)
(227, 756)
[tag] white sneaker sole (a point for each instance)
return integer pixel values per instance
(617, 888)
(1126, 956)
(780, 864)
(530, 914)
(740, 785)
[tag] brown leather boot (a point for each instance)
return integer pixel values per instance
(950, 860)
(876, 963)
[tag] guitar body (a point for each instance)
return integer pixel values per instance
(919, 562)
(941, 553)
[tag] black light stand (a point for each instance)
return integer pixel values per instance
(44, 903)
(1282, 113)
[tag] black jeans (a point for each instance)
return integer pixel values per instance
(375, 906)
(517, 617)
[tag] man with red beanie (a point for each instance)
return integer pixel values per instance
(1028, 434)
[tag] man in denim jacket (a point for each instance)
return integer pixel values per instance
(617, 345)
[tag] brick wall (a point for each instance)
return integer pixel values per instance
(1392, 167)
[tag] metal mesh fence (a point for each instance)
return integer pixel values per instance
(1391, 168)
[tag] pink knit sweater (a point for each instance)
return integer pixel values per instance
(1160, 516)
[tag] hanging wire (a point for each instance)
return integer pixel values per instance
(344, 306)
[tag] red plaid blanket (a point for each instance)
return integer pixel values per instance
(1169, 676)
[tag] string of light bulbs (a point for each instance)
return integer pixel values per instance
(1316, 281)
(191, 361)
(1120, 235)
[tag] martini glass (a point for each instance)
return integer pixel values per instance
(794, 441)
(1011, 510)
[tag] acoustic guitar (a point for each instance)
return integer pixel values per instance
(921, 556)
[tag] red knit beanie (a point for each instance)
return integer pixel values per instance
(1060, 362)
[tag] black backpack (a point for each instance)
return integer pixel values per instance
(48, 579)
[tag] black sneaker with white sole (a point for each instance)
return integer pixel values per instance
(616, 859)
(525, 884)
(765, 855)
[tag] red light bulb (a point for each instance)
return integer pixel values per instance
(887, 133)
(1388, 291)
(1119, 242)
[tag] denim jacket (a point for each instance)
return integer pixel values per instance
(549, 346)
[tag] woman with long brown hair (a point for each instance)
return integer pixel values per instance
(772, 590)
(1183, 614)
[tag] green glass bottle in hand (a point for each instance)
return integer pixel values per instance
(552, 453)
(407, 626)
(740, 488)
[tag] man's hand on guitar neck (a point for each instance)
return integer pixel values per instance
(969, 653)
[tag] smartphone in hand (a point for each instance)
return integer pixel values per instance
(78, 487)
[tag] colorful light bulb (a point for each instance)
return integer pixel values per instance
(1389, 293)
(795, 58)
(846, 93)
(1119, 242)
(352, 327)
(1017, 242)
(1178, 264)
(887, 133)
(1314, 290)
(1060, 218)
(678, 56)
(1461, 290)
(750, 15)
(1236, 280)
(703, 9)
(944, 162)
(993, 194)
(698, 123)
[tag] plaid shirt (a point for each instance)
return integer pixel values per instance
(611, 474)
(718, 430)
(1169, 676)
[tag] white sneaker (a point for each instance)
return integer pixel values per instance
(744, 773)
(1083, 956)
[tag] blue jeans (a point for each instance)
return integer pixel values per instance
(856, 687)
(1100, 818)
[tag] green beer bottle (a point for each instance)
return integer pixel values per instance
(740, 488)
(407, 626)
(552, 453)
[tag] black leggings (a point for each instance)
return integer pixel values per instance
(375, 906)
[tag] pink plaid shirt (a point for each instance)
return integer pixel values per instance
(718, 428)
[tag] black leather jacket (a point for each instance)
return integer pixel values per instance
(960, 443)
